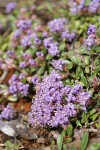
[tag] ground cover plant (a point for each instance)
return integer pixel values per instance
(49, 75)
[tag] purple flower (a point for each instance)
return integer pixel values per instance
(16, 87)
(39, 54)
(74, 8)
(23, 64)
(30, 39)
(45, 34)
(27, 56)
(11, 53)
(91, 29)
(26, 41)
(17, 33)
(0, 63)
(31, 62)
(23, 88)
(37, 41)
(57, 25)
(22, 75)
(52, 106)
(53, 49)
(94, 6)
(47, 42)
(69, 36)
(91, 39)
(58, 64)
(35, 80)
(81, 6)
(24, 24)
(51, 46)
(10, 6)
(8, 113)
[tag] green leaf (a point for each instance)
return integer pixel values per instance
(84, 118)
(4, 46)
(95, 146)
(91, 113)
(69, 130)
(87, 2)
(70, 66)
(49, 57)
(62, 46)
(73, 147)
(78, 71)
(69, 140)
(12, 98)
(84, 140)
(41, 70)
(83, 80)
(63, 133)
(94, 116)
(59, 142)
(87, 69)
(9, 146)
(82, 51)
(8, 143)
(74, 59)
(65, 147)
(87, 59)
(78, 123)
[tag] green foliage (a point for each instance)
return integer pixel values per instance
(84, 118)
(87, 2)
(10, 146)
(84, 140)
(12, 98)
(73, 147)
(60, 142)
(69, 130)
(95, 146)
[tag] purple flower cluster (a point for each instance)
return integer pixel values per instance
(39, 54)
(35, 80)
(16, 87)
(24, 24)
(55, 104)
(23, 64)
(27, 56)
(11, 53)
(10, 6)
(78, 95)
(91, 29)
(51, 46)
(17, 33)
(91, 39)
(8, 113)
(67, 35)
(82, 6)
(26, 41)
(58, 64)
(92, 8)
(74, 8)
(27, 63)
(57, 25)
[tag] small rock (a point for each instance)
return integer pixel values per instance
(41, 140)
(9, 130)
(54, 147)
(33, 134)
(47, 148)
